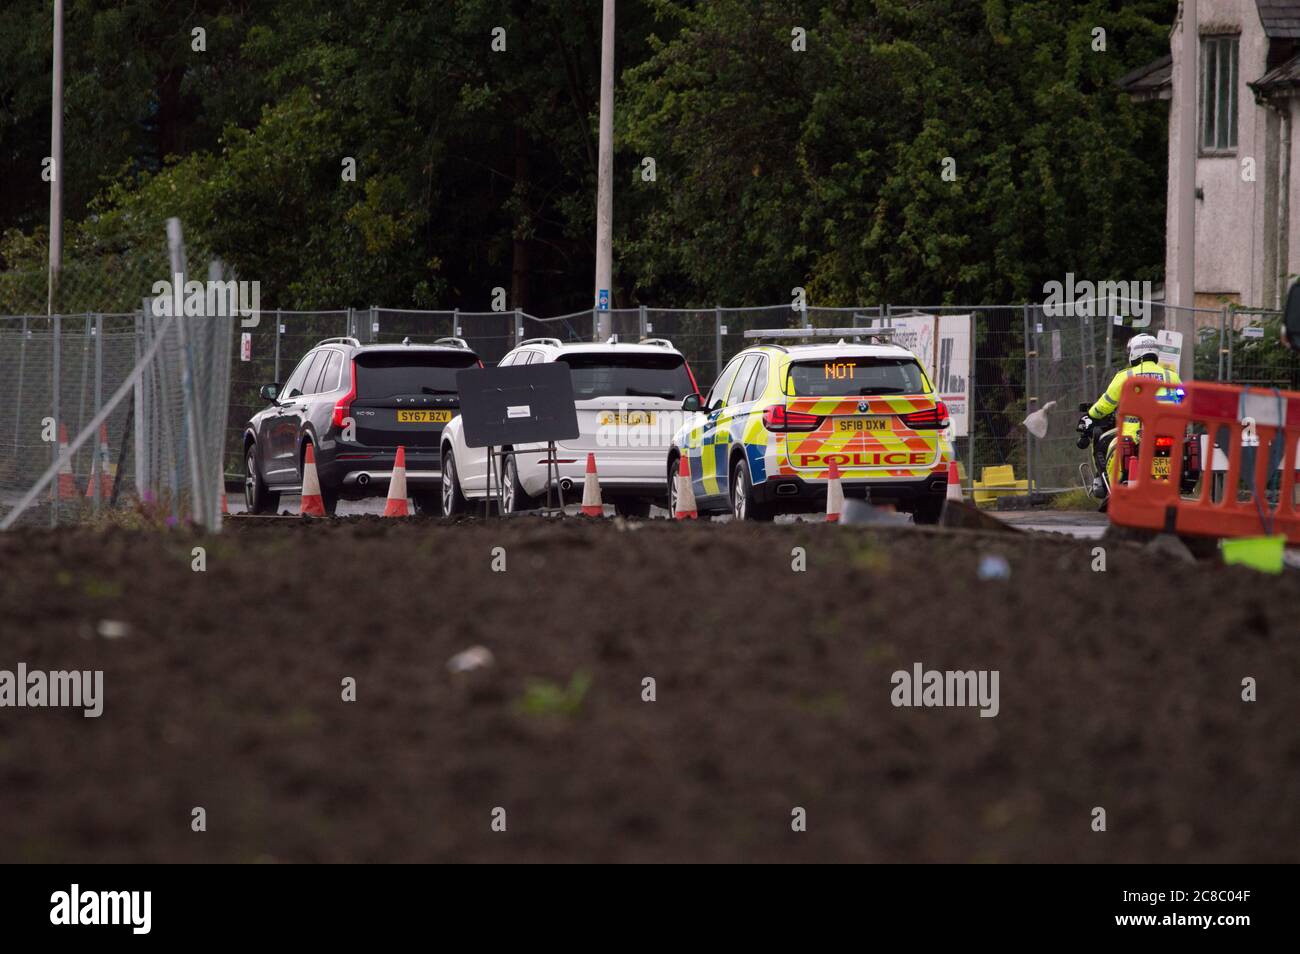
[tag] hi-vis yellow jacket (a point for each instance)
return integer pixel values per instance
(1108, 402)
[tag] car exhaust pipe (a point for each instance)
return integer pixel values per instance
(566, 484)
(786, 490)
(363, 479)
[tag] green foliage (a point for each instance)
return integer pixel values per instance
(823, 168)
(546, 698)
(477, 169)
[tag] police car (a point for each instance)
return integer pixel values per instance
(779, 415)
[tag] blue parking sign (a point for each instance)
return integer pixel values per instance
(602, 300)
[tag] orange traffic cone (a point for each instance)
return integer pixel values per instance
(1133, 469)
(312, 504)
(591, 502)
(686, 509)
(67, 482)
(397, 505)
(834, 493)
(954, 483)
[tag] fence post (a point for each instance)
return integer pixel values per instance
(641, 318)
(96, 464)
(22, 367)
(717, 340)
(519, 326)
(1231, 332)
(140, 425)
(455, 323)
(972, 418)
(1084, 356)
(56, 328)
(277, 346)
(1223, 330)
(1031, 399)
(595, 328)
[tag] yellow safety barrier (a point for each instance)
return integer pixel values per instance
(998, 481)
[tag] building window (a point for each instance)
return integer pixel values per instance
(1219, 94)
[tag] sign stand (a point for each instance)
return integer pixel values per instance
(517, 406)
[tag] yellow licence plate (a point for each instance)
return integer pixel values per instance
(620, 419)
(1160, 468)
(423, 417)
(863, 424)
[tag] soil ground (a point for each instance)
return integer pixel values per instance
(1119, 689)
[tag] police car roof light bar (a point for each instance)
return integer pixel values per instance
(820, 333)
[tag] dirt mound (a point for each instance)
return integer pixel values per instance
(773, 691)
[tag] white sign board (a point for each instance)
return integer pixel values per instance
(1171, 348)
(952, 373)
(246, 346)
(942, 344)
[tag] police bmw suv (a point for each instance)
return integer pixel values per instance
(354, 404)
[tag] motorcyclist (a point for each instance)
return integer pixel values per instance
(1143, 356)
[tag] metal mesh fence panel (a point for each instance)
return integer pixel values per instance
(89, 356)
(1254, 353)
(574, 327)
(693, 332)
(132, 409)
(1021, 358)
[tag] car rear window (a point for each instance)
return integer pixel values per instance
(629, 375)
(855, 376)
(384, 374)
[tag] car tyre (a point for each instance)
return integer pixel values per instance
(517, 500)
(454, 503)
(743, 505)
(258, 498)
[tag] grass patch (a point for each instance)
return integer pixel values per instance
(546, 698)
(1076, 499)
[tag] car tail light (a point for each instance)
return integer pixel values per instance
(931, 419)
(1192, 454)
(343, 409)
(1164, 443)
(779, 418)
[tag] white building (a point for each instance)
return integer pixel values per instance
(1247, 239)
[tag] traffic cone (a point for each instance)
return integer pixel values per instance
(397, 505)
(591, 502)
(1133, 469)
(954, 483)
(686, 509)
(834, 493)
(67, 482)
(312, 505)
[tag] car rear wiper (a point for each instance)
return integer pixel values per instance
(428, 390)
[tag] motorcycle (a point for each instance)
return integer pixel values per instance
(1106, 443)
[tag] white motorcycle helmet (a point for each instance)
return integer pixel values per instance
(1139, 346)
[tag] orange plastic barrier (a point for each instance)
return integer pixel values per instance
(1243, 507)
